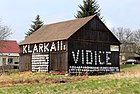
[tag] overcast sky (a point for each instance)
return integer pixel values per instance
(19, 14)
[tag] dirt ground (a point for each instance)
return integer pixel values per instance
(31, 78)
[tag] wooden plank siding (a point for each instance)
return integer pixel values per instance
(94, 36)
(25, 62)
(58, 60)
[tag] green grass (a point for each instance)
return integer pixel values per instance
(92, 86)
(123, 66)
(125, 82)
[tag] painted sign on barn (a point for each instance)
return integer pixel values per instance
(92, 61)
(44, 47)
(41, 53)
(40, 62)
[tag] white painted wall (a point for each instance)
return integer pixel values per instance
(14, 56)
(1, 58)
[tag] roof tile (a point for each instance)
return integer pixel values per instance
(9, 46)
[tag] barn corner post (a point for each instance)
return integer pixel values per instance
(119, 58)
(49, 68)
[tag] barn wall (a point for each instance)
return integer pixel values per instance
(53, 58)
(95, 31)
(25, 62)
(59, 61)
(91, 48)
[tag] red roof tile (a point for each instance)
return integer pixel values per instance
(9, 46)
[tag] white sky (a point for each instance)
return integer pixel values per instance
(19, 14)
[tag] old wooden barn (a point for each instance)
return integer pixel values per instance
(79, 45)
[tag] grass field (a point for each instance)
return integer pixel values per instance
(125, 82)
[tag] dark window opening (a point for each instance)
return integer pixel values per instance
(10, 60)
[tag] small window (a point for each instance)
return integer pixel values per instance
(4, 61)
(16, 62)
(10, 60)
(114, 48)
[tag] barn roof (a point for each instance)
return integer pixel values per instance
(57, 31)
(9, 46)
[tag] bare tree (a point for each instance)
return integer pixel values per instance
(137, 36)
(124, 35)
(130, 40)
(137, 40)
(119, 33)
(129, 36)
(5, 32)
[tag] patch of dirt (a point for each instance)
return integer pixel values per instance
(43, 79)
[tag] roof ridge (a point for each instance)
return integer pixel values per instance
(70, 20)
(57, 31)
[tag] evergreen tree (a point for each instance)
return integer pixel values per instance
(35, 26)
(89, 7)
